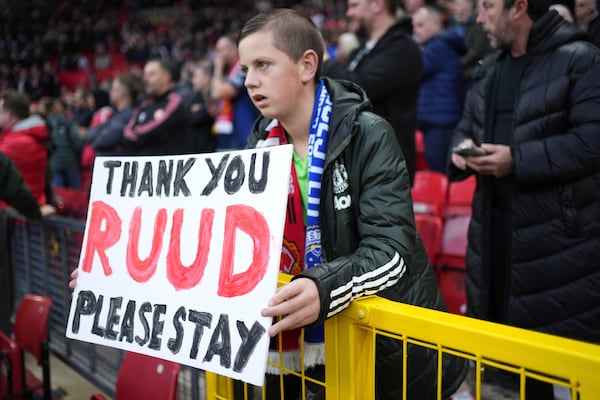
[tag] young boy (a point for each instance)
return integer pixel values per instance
(350, 220)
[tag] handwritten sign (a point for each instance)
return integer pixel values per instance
(180, 254)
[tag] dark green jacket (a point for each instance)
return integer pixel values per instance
(369, 237)
(14, 191)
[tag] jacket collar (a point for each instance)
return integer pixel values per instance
(551, 31)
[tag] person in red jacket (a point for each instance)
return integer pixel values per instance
(24, 140)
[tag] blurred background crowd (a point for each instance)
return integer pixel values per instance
(82, 66)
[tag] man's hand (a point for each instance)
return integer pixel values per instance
(299, 303)
(498, 162)
(459, 161)
(47, 210)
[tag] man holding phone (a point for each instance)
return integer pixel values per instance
(533, 257)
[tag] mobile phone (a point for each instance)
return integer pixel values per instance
(469, 151)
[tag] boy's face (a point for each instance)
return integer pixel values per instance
(273, 80)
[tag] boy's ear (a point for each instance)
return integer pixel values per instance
(309, 64)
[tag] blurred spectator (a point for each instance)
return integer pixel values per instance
(25, 141)
(463, 21)
(100, 98)
(347, 42)
(387, 66)
(49, 80)
(412, 6)
(587, 16)
(82, 107)
(183, 84)
(102, 58)
(14, 191)
(331, 40)
(440, 96)
(82, 61)
(236, 113)
(39, 83)
(138, 50)
(202, 110)
(106, 138)
(22, 82)
(6, 77)
(159, 125)
(563, 11)
(67, 146)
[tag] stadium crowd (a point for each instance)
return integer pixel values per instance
(82, 78)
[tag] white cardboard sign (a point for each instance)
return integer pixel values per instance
(180, 254)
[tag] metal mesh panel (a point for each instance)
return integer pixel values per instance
(43, 254)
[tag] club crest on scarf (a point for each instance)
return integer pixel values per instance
(290, 258)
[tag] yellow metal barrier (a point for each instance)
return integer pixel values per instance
(350, 350)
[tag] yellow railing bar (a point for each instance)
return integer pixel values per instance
(350, 349)
(576, 361)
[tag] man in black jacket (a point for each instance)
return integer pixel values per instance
(387, 66)
(159, 125)
(533, 258)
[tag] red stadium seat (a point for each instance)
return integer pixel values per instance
(453, 246)
(429, 193)
(10, 366)
(420, 160)
(450, 265)
(145, 377)
(460, 197)
(116, 68)
(72, 202)
(31, 336)
(430, 230)
(74, 79)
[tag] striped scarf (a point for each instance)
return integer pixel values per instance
(302, 244)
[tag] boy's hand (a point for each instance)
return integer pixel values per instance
(73, 281)
(298, 302)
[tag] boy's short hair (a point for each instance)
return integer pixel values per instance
(16, 103)
(293, 33)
